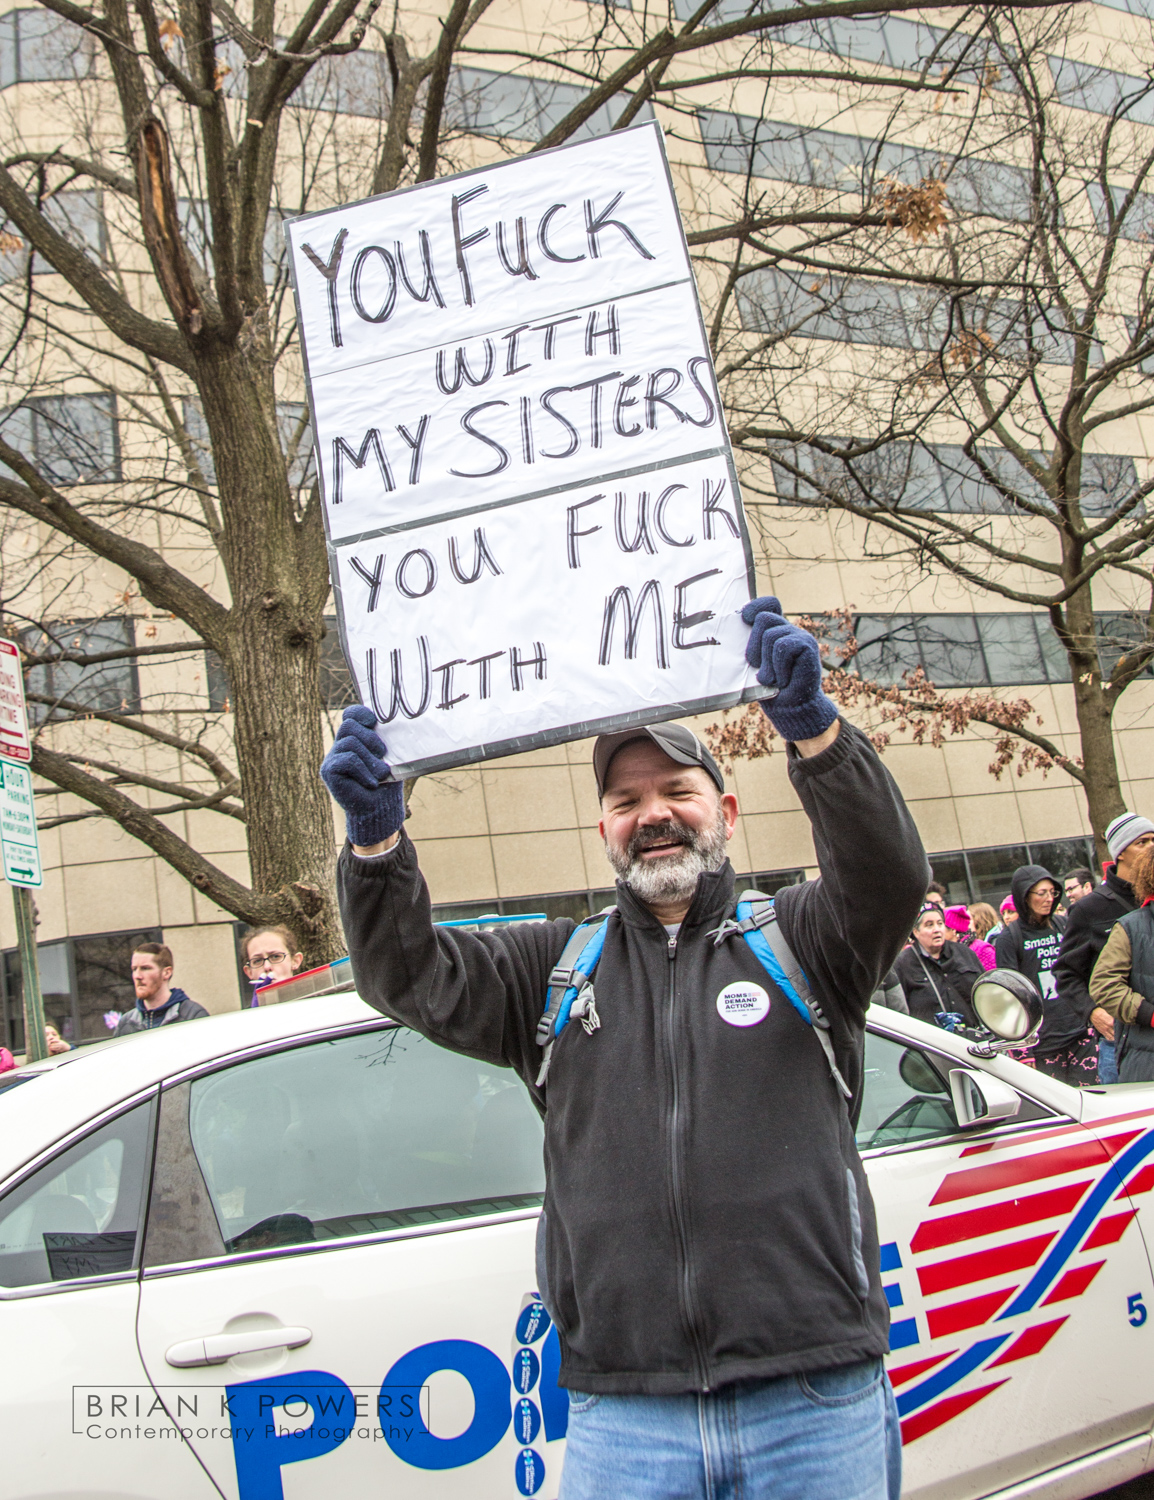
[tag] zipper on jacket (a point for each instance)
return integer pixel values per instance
(688, 1295)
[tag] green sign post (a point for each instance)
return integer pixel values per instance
(19, 841)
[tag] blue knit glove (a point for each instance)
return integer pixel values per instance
(787, 658)
(357, 774)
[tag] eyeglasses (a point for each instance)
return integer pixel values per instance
(264, 958)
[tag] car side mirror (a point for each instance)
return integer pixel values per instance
(979, 1099)
(1008, 1004)
(917, 1074)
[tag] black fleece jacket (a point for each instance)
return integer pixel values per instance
(707, 1218)
(941, 984)
(1087, 928)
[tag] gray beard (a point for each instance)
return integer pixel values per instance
(674, 876)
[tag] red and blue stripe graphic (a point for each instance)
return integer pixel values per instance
(930, 1396)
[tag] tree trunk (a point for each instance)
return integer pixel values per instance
(277, 570)
(1104, 799)
(1094, 705)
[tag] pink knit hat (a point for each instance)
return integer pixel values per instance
(1008, 904)
(957, 918)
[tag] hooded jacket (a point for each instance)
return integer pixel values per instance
(178, 1007)
(1087, 928)
(707, 1218)
(1032, 947)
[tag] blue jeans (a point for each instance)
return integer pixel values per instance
(830, 1435)
(1107, 1062)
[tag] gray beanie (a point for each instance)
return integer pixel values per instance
(1124, 830)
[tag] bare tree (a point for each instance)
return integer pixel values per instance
(961, 388)
(142, 268)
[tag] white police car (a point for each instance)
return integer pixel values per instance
(289, 1253)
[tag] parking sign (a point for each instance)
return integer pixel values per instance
(14, 740)
(18, 840)
(18, 826)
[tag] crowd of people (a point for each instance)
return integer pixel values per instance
(1088, 947)
(270, 955)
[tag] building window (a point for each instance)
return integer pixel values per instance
(885, 41)
(1102, 91)
(296, 439)
(217, 683)
(857, 164)
(196, 226)
(986, 650)
(940, 477)
(1139, 221)
(577, 905)
(510, 107)
(856, 310)
(70, 439)
(37, 46)
(109, 686)
(83, 980)
(293, 428)
(985, 874)
(356, 83)
(76, 215)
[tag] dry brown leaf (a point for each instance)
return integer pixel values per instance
(169, 31)
(219, 74)
(9, 242)
(969, 348)
(920, 210)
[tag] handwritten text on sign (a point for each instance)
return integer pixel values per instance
(534, 524)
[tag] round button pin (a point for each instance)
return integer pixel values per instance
(743, 1004)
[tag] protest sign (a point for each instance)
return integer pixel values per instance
(535, 530)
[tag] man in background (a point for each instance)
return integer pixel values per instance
(1088, 927)
(1076, 884)
(157, 1002)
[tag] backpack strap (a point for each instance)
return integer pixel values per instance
(570, 989)
(757, 922)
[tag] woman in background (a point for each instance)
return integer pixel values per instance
(270, 954)
(959, 929)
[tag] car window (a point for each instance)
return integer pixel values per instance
(361, 1134)
(906, 1096)
(79, 1215)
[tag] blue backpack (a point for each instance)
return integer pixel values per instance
(570, 993)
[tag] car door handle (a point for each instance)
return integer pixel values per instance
(215, 1348)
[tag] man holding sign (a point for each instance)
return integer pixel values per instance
(532, 507)
(708, 1248)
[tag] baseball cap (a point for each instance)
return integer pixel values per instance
(679, 743)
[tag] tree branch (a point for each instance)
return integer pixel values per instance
(435, 93)
(138, 726)
(187, 794)
(162, 584)
(80, 166)
(146, 826)
(41, 659)
(161, 340)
